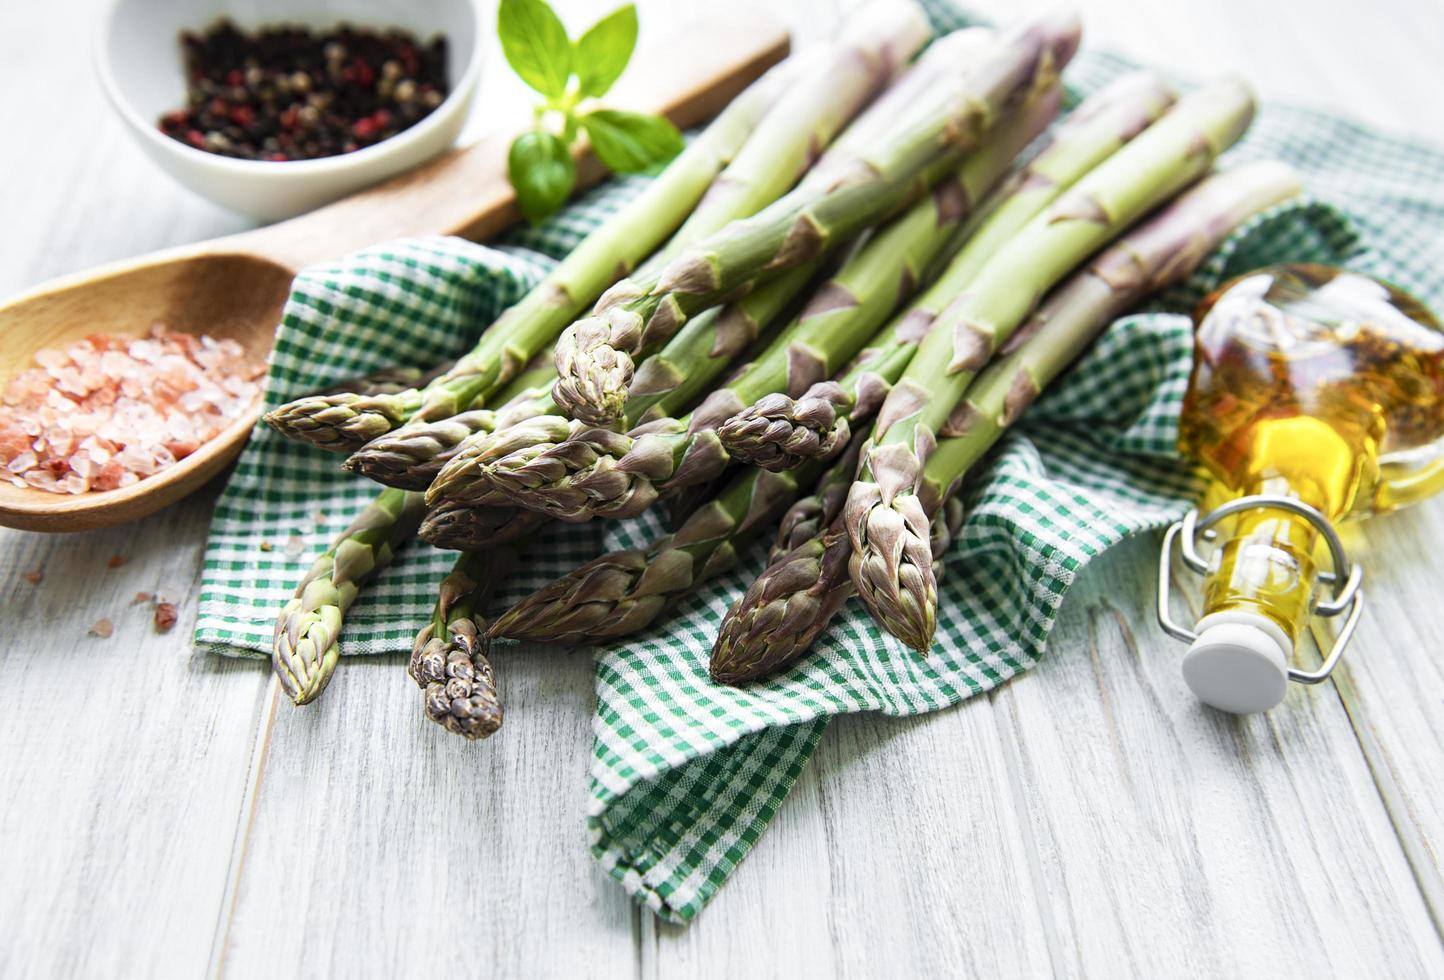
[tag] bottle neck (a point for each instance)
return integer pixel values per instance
(1265, 566)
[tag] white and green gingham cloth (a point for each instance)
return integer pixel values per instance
(685, 775)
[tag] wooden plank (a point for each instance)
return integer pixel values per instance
(383, 845)
(1175, 839)
(1392, 683)
(124, 761)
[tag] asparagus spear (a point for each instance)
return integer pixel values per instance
(796, 597)
(825, 92)
(460, 527)
(939, 61)
(814, 513)
(622, 592)
(448, 659)
(670, 380)
(833, 83)
(344, 422)
(387, 381)
(305, 647)
(595, 355)
(782, 428)
(806, 582)
(575, 472)
(411, 456)
(899, 589)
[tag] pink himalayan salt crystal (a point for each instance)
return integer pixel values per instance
(165, 616)
(110, 410)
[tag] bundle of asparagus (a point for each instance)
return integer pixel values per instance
(807, 581)
(574, 471)
(815, 342)
(885, 518)
(785, 116)
(807, 578)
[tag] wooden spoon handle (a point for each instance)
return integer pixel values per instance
(688, 77)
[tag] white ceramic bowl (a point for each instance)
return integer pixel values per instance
(138, 56)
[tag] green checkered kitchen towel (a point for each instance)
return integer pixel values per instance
(686, 775)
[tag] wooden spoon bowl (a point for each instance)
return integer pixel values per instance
(231, 295)
(236, 286)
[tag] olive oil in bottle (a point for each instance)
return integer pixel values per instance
(1317, 396)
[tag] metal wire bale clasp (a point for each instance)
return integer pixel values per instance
(1347, 578)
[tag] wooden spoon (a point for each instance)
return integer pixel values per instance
(236, 286)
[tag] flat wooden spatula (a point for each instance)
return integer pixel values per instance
(236, 286)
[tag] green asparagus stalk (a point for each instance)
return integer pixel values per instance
(345, 422)
(814, 513)
(575, 472)
(387, 381)
(625, 591)
(459, 527)
(448, 659)
(831, 86)
(796, 598)
(940, 61)
(806, 582)
(898, 588)
(305, 647)
(782, 428)
(673, 378)
(411, 456)
(595, 355)
(803, 587)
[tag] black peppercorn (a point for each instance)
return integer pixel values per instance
(288, 93)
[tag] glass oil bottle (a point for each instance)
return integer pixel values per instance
(1317, 396)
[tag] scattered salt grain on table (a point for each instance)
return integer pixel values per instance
(111, 410)
(165, 616)
(102, 628)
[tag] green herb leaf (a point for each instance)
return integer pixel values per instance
(604, 50)
(542, 171)
(629, 142)
(536, 45)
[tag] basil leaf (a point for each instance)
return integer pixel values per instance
(629, 142)
(542, 172)
(604, 50)
(535, 44)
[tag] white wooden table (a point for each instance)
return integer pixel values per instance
(162, 816)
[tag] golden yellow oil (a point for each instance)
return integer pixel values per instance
(1321, 385)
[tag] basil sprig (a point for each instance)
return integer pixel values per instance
(567, 74)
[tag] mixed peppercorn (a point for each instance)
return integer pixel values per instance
(288, 93)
